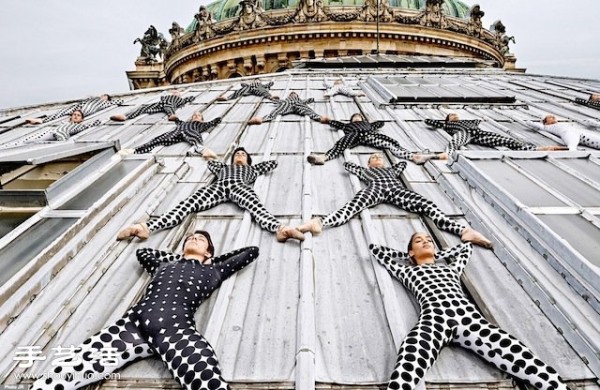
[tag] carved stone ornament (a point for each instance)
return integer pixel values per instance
(369, 11)
(204, 27)
(310, 11)
(433, 15)
(251, 15)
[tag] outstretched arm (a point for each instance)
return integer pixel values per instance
(231, 262)
(356, 170)
(439, 124)
(151, 259)
(389, 258)
(377, 125)
(215, 166)
(338, 125)
(398, 168)
(265, 167)
(458, 256)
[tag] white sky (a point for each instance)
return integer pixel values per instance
(54, 50)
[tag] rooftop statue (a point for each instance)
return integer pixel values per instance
(250, 15)
(433, 15)
(475, 24)
(310, 11)
(502, 40)
(176, 31)
(204, 28)
(369, 11)
(154, 45)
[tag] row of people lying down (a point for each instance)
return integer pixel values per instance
(234, 184)
(162, 323)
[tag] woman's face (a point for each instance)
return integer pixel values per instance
(422, 247)
(197, 117)
(197, 244)
(76, 117)
(240, 158)
(376, 161)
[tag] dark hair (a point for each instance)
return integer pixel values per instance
(241, 148)
(409, 248)
(79, 111)
(355, 114)
(108, 97)
(211, 247)
(448, 117)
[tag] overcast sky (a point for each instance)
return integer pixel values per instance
(54, 50)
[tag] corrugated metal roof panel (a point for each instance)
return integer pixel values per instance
(323, 310)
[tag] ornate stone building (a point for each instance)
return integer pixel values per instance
(232, 38)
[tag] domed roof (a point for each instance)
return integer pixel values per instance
(225, 9)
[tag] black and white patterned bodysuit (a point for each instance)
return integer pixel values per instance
(465, 132)
(190, 132)
(384, 186)
(233, 184)
(254, 88)
(162, 324)
(60, 133)
(447, 317)
(87, 107)
(364, 133)
(588, 103)
(167, 104)
(293, 105)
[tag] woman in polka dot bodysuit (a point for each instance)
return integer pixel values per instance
(361, 132)
(162, 323)
(233, 184)
(447, 317)
(384, 186)
(63, 132)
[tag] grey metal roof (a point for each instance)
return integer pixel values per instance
(322, 313)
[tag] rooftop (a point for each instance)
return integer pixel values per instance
(321, 314)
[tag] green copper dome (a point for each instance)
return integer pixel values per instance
(225, 9)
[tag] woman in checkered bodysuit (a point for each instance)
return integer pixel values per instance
(447, 316)
(384, 186)
(255, 88)
(292, 105)
(465, 132)
(167, 104)
(592, 102)
(233, 184)
(190, 132)
(63, 132)
(162, 322)
(361, 132)
(87, 107)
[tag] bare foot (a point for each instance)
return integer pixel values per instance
(421, 159)
(314, 226)
(139, 230)
(284, 233)
(126, 152)
(221, 99)
(118, 117)
(552, 148)
(209, 154)
(473, 236)
(173, 118)
(255, 121)
(33, 121)
(316, 159)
